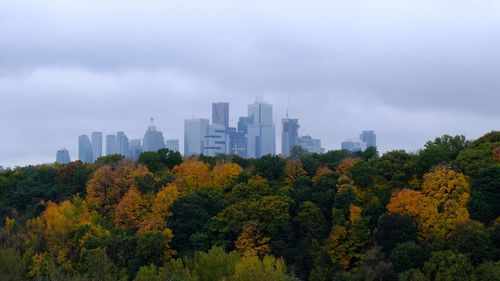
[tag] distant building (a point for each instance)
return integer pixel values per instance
(237, 143)
(289, 135)
(85, 153)
(310, 145)
(353, 145)
(369, 137)
(220, 114)
(194, 133)
(122, 144)
(62, 156)
(97, 144)
(111, 147)
(135, 149)
(1, 168)
(153, 139)
(172, 144)
(243, 124)
(215, 140)
(260, 131)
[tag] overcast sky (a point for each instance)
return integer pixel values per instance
(410, 70)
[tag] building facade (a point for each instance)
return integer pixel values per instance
(369, 137)
(62, 156)
(85, 153)
(260, 130)
(97, 144)
(353, 145)
(122, 144)
(220, 113)
(135, 149)
(172, 144)
(111, 145)
(194, 133)
(153, 139)
(310, 144)
(289, 135)
(215, 140)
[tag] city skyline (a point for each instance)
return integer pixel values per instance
(344, 66)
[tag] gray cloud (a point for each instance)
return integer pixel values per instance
(411, 70)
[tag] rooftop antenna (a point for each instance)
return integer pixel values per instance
(287, 107)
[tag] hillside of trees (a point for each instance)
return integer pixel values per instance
(430, 215)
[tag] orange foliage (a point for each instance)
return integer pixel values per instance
(160, 210)
(496, 153)
(322, 171)
(251, 240)
(131, 210)
(346, 164)
(192, 175)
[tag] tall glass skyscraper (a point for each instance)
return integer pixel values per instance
(289, 135)
(62, 156)
(122, 144)
(220, 113)
(194, 133)
(369, 137)
(261, 134)
(111, 145)
(97, 144)
(85, 153)
(153, 139)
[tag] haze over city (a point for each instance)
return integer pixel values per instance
(410, 71)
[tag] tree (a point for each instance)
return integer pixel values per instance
(252, 240)
(11, 265)
(394, 228)
(443, 184)
(131, 210)
(225, 175)
(192, 175)
(293, 171)
(472, 239)
(270, 167)
(407, 255)
(449, 266)
(251, 268)
(442, 150)
(310, 220)
(156, 219)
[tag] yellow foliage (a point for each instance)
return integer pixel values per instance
(354, 213)
(225, 174)
(131, 210)
(160, 210)
(337, 246)
(192, 175)
(294, 169)
(345, 165)
(443, 184)
(322, 171)
(251, 240)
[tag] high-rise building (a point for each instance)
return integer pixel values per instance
(135, 149)
(122, 144)
(111, 147)
(172, 144)
(310, 144)
(62, 156)
(194, 133)
(353, 145)
(260, 131)
(243, 124)
(220, 114)
(153, 139)
(85, 153)
(237, 143)
(97, 144)
(215, 140)
(1, 168)
(369, 137)
(289, 135)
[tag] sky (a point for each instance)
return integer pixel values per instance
(410, 70)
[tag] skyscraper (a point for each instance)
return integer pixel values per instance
(237, 143)
(289, 135)
(260, 132)
(135, 149)
(111, 147)
(220, 114)
(310, 145)
(97, 144)
(369, 137)
(215, 140)
(85, 153)
(172, 144)
(122, 144)
(194, 133)
(353, 145)
(62, 156)
(153, 139)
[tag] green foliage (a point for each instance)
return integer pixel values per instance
(449, 266)
(407, 255)
(394, 228)
(270, 167)
(161, 159)
(11, 265)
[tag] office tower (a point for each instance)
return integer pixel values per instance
(215, 140)
(97, 144)
(243, 124)
(135, 149)
(260, 131)
(353, 145)
(289, 135)
(172, 144)
(237, 143)
(369, 137)
(1, 168)
(62, 156)
(194, 133)
(310, 144)
(153, 139)
(85, 153)
(111, 147)
(220, 114)
(122, 144)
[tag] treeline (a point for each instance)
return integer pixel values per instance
(431, 215)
